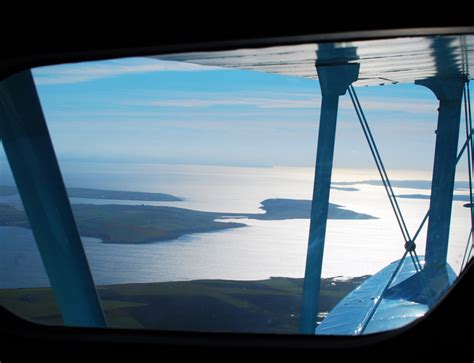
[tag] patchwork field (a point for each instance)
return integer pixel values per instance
(266, 306)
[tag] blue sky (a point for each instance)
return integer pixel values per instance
(146, 110)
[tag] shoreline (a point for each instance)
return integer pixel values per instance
(139, 224)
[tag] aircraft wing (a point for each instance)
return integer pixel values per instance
(399, 60)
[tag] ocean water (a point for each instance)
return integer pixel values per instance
(258, 251)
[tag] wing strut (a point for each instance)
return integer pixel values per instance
(334, 81)
(31, 156)
(427, 282)
(449, 93)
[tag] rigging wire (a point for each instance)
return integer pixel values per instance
(378, 161)
(467, 252)
(464, 146)
(467, 115)
(470, 155)
(460, 154)
(372, 311)
(409, 242)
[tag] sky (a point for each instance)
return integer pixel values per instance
(147, 110)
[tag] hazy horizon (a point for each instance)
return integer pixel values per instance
(151, 111)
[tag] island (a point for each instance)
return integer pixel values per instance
(456, 197)
(345, 189)
(279, 209)
(7, 190)
(406, 184)
(132, 224)
(120, 195)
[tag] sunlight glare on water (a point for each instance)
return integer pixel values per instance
(263, 249)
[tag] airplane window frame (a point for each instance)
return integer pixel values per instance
(17, 328)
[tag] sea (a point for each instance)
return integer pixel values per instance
(259, 251)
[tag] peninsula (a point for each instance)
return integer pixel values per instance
(8, 190)
(139, 223)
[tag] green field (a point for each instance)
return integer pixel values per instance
(120, 195)
(266, 306)
(281, 208)
(130, 223)
(8, 190)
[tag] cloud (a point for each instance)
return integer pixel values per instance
(85, 72)
(234, 101)
(289, 101)
(192, 123)
(393, 104)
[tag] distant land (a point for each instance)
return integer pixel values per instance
(345, 189)
(456, 197)
(409, 184)
(130, 224)
(120, 195)
(264, 306)
(6, 190)
(92, 193)
(278, 209)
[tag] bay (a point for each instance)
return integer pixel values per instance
(260, 250)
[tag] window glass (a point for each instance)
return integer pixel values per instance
(192, 185)
(24, 285)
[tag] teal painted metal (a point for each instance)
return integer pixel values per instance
(449, 93)
(407, 298)
(334, 82)
(382, 61)
(29, 150)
